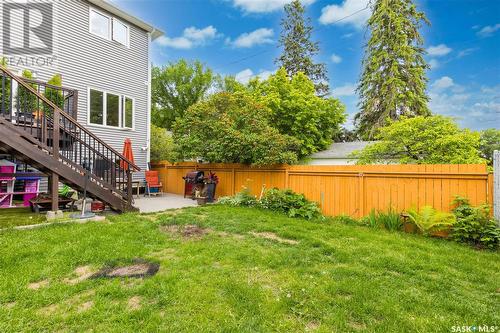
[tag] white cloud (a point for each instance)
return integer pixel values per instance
(190, 38)
(434, 63)
(249, 39)
(348, 89)
(443, 83)
(336, 59)
(438, 50)
(467, 52)
(264, 6)
(350, 12)
(488, 30)
(247, 74)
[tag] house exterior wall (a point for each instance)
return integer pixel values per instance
(88, 61)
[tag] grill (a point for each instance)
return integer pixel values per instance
(193, 181)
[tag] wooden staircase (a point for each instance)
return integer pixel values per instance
(38, 126)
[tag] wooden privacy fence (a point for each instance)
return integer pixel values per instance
(351, 189)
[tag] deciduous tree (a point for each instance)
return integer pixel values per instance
(232, 128)
(423, 140)
(176, 87)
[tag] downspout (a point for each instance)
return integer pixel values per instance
(148, 130)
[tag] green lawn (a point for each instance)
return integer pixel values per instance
(10, 217)
(313, 276)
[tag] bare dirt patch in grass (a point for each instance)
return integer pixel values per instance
(273, 236)
(189, 231)
(134, 303)
(9, 305)
(80, 274)
(312, 326)
(85, 306)
(39, 284)
(138, 269)
(357, 326)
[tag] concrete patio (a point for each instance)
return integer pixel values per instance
(160, 203)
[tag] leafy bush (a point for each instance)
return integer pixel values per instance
(429, 220)
(243, 198)
(232, 128)
(474, 225)
(390, 220)
(162, 145)
(284, 201)
(289, 203)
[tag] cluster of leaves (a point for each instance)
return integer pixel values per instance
(232, 128)
(490, 141)
(176, 87)
(389, 220)
(474, 225)
(162, 145)
(429, 220)
(297, 111)
(243, 198)
(290, 203)
(283, 201)
(423, 140)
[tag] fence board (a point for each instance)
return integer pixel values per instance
(352, 189)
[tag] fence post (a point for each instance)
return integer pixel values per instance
(361, 189)
(496, 184)
(233, 181)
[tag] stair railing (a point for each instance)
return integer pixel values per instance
(60, 134)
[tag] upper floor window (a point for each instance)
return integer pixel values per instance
(108, 27)
(100, 24)
(120, 32)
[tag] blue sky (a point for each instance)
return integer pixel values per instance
(239, 37)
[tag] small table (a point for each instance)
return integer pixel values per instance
(45, 203)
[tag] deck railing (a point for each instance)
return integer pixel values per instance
(48, 113)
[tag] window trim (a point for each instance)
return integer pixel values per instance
(123, 97)
(110, 23)
(105, 111)
(127, 43)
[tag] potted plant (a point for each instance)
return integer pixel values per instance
(211, 182)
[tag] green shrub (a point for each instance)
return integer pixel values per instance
(289, 203)
(429, 220)
(283, 201)
(243, 198)
(474, 225)
(390, 220)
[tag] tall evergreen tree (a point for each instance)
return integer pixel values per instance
(393, 81)
(298, 49)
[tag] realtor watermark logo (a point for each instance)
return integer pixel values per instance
(474, 328)
(27, 35)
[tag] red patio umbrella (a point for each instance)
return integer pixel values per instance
(127, 153)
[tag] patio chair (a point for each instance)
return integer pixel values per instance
(153, 185)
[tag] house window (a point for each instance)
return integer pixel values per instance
(120, 32)
(96, 107)
(108, 28)
(112, 110)
(108, 109)
(128, 112)
(100, 24)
